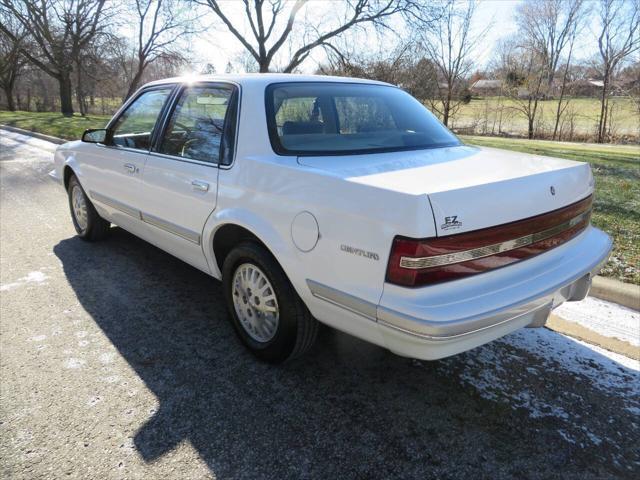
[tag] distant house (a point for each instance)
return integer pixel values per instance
(486, 88)
(585, 88)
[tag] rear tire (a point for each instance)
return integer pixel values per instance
(271, 320)
(88, 224)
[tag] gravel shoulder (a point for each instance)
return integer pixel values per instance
(117, 361)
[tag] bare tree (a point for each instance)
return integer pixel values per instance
(276, 23)
(619, 37)
(160, 23)
(11, 60)
(59, 29)
(449, 45)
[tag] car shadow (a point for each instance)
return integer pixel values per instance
(347, 409)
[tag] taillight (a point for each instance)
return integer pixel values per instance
(419, 262)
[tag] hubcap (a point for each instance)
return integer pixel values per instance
(255, 302)
(79, 207)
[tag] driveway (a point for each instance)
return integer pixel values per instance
(118, 361)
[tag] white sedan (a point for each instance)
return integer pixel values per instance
(341, 201)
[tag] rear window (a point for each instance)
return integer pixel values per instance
(326, 118)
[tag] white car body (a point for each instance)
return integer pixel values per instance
(330, 222)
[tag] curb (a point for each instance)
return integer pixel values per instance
(575, 330)
(40, 136)
(625, 294)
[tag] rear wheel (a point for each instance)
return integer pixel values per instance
(88, 224)
(267, 313)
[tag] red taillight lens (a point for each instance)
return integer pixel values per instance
(414, 262)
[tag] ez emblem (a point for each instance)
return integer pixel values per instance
(451, 223)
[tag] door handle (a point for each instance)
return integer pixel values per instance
(130, 167)
(200, 186)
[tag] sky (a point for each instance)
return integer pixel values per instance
(217, 46)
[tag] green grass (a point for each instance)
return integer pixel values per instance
(616, 169)
(617, 204)
(52, 123)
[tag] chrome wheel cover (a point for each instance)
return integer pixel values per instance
(79, 207)
(255, 303)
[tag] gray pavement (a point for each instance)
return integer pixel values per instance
(117, 361)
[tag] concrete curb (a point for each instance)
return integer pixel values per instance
(581, 332)
(616, 291)
(607, 289)
(40, 136)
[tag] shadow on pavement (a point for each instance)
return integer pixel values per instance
(347, 409)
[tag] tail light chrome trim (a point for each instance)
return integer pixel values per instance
(415, 262)
(475, 253)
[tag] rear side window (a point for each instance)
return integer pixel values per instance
(201, 126)
(133, 129)
(326, 118)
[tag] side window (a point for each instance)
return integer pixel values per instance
(133, 129)
(299, 115)
(197, 128)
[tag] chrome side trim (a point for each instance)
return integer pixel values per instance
(123, 207)
(189, 235)
(182, 232)
(480, 252)
(348, 302)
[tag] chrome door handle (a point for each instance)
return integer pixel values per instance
(130, 167)
(200, 186)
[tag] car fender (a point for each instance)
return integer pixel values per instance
(67, 158)
(274, 241)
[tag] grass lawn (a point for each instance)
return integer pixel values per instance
(586, 112)
(616, 169)
(53, 123)
(617, 205)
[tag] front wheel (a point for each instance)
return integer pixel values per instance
(88, 224)
(267, 313)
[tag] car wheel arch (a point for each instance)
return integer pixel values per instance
(238, 224)
(68, 171)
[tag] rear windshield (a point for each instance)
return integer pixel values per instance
(345, 118)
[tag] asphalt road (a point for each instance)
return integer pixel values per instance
(117, 361)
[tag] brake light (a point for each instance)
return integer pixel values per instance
(419, 262)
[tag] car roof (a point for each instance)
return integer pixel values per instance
(264, 79)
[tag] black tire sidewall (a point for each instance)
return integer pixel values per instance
(282, 344)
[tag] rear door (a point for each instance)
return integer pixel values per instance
(181, 174)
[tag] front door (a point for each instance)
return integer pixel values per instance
(180, 178)
(114, 170)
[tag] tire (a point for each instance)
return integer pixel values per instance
(295, 330)
(89, 225)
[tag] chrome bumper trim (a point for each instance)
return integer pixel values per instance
(573, 288)
(538, 306)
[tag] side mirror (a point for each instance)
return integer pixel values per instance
(95, 135)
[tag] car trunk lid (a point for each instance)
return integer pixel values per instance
(469, 188)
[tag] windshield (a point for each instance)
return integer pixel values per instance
(348, 118)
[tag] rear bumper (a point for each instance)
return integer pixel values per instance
(449, 318)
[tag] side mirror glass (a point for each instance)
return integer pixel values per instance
(95, 135)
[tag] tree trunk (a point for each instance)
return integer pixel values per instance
(133, 86)
(603, 99)
(8, 92)
(66, 96)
